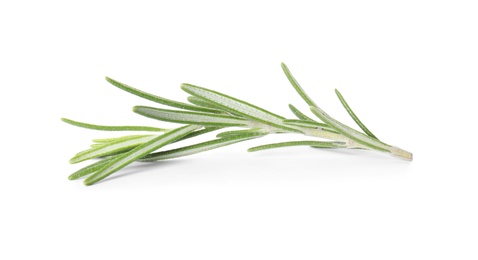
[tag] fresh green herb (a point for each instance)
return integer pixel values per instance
(210, 111)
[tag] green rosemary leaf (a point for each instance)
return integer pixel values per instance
(299, 114)
(349, 132)
(238, 107)
(198, 148)
(110, 148)
(117, 139)
(124, 159)
(297, 87)
(105, 141)
(352, 114)
(113, 128)
(304, 123)
(118, 152)
(202, 102)
(310, 124)
(187, 117)
(158, 99)
(199, 132)
(258, 131)
(90, 168)
(297, 143)
(205, 103)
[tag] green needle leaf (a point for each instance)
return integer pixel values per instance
(158, 99)
(90, 168)
(110, 148)
(113, 128)
(305, 123)
(187, 117)
(198, 148)
(117, 139)
(299, 114)
(205, 103)
(298, 143)
(296, 85)
(202, 102)
(257, 131)
(122, 138)
(239, 107)
(352, 114)
(123, 160)
(349, 132)
(199, 132)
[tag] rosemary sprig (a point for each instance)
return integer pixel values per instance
(211, 111)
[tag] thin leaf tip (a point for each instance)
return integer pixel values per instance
(110, 80)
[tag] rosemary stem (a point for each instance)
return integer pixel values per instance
(398, 152)
(326, 135)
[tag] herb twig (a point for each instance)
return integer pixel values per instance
(211, 111)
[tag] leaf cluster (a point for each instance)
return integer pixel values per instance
(208, 111)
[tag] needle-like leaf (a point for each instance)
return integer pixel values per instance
(202, 102)
(304, 123)
(123, 160)
(199, 132)
(297, 87)
(113, 128)
(117, 139)
(90, 168)
(158, 99)
(256, 131)
(205, 103)
(297, 143)
(352, 114)
(106, 141)
(110, 148)
(238, 107)
(187, 117)
(299, 114)
(198, 148)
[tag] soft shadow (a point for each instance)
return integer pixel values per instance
(140, 167)
(277, 166)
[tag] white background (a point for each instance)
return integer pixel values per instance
(408, 68)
